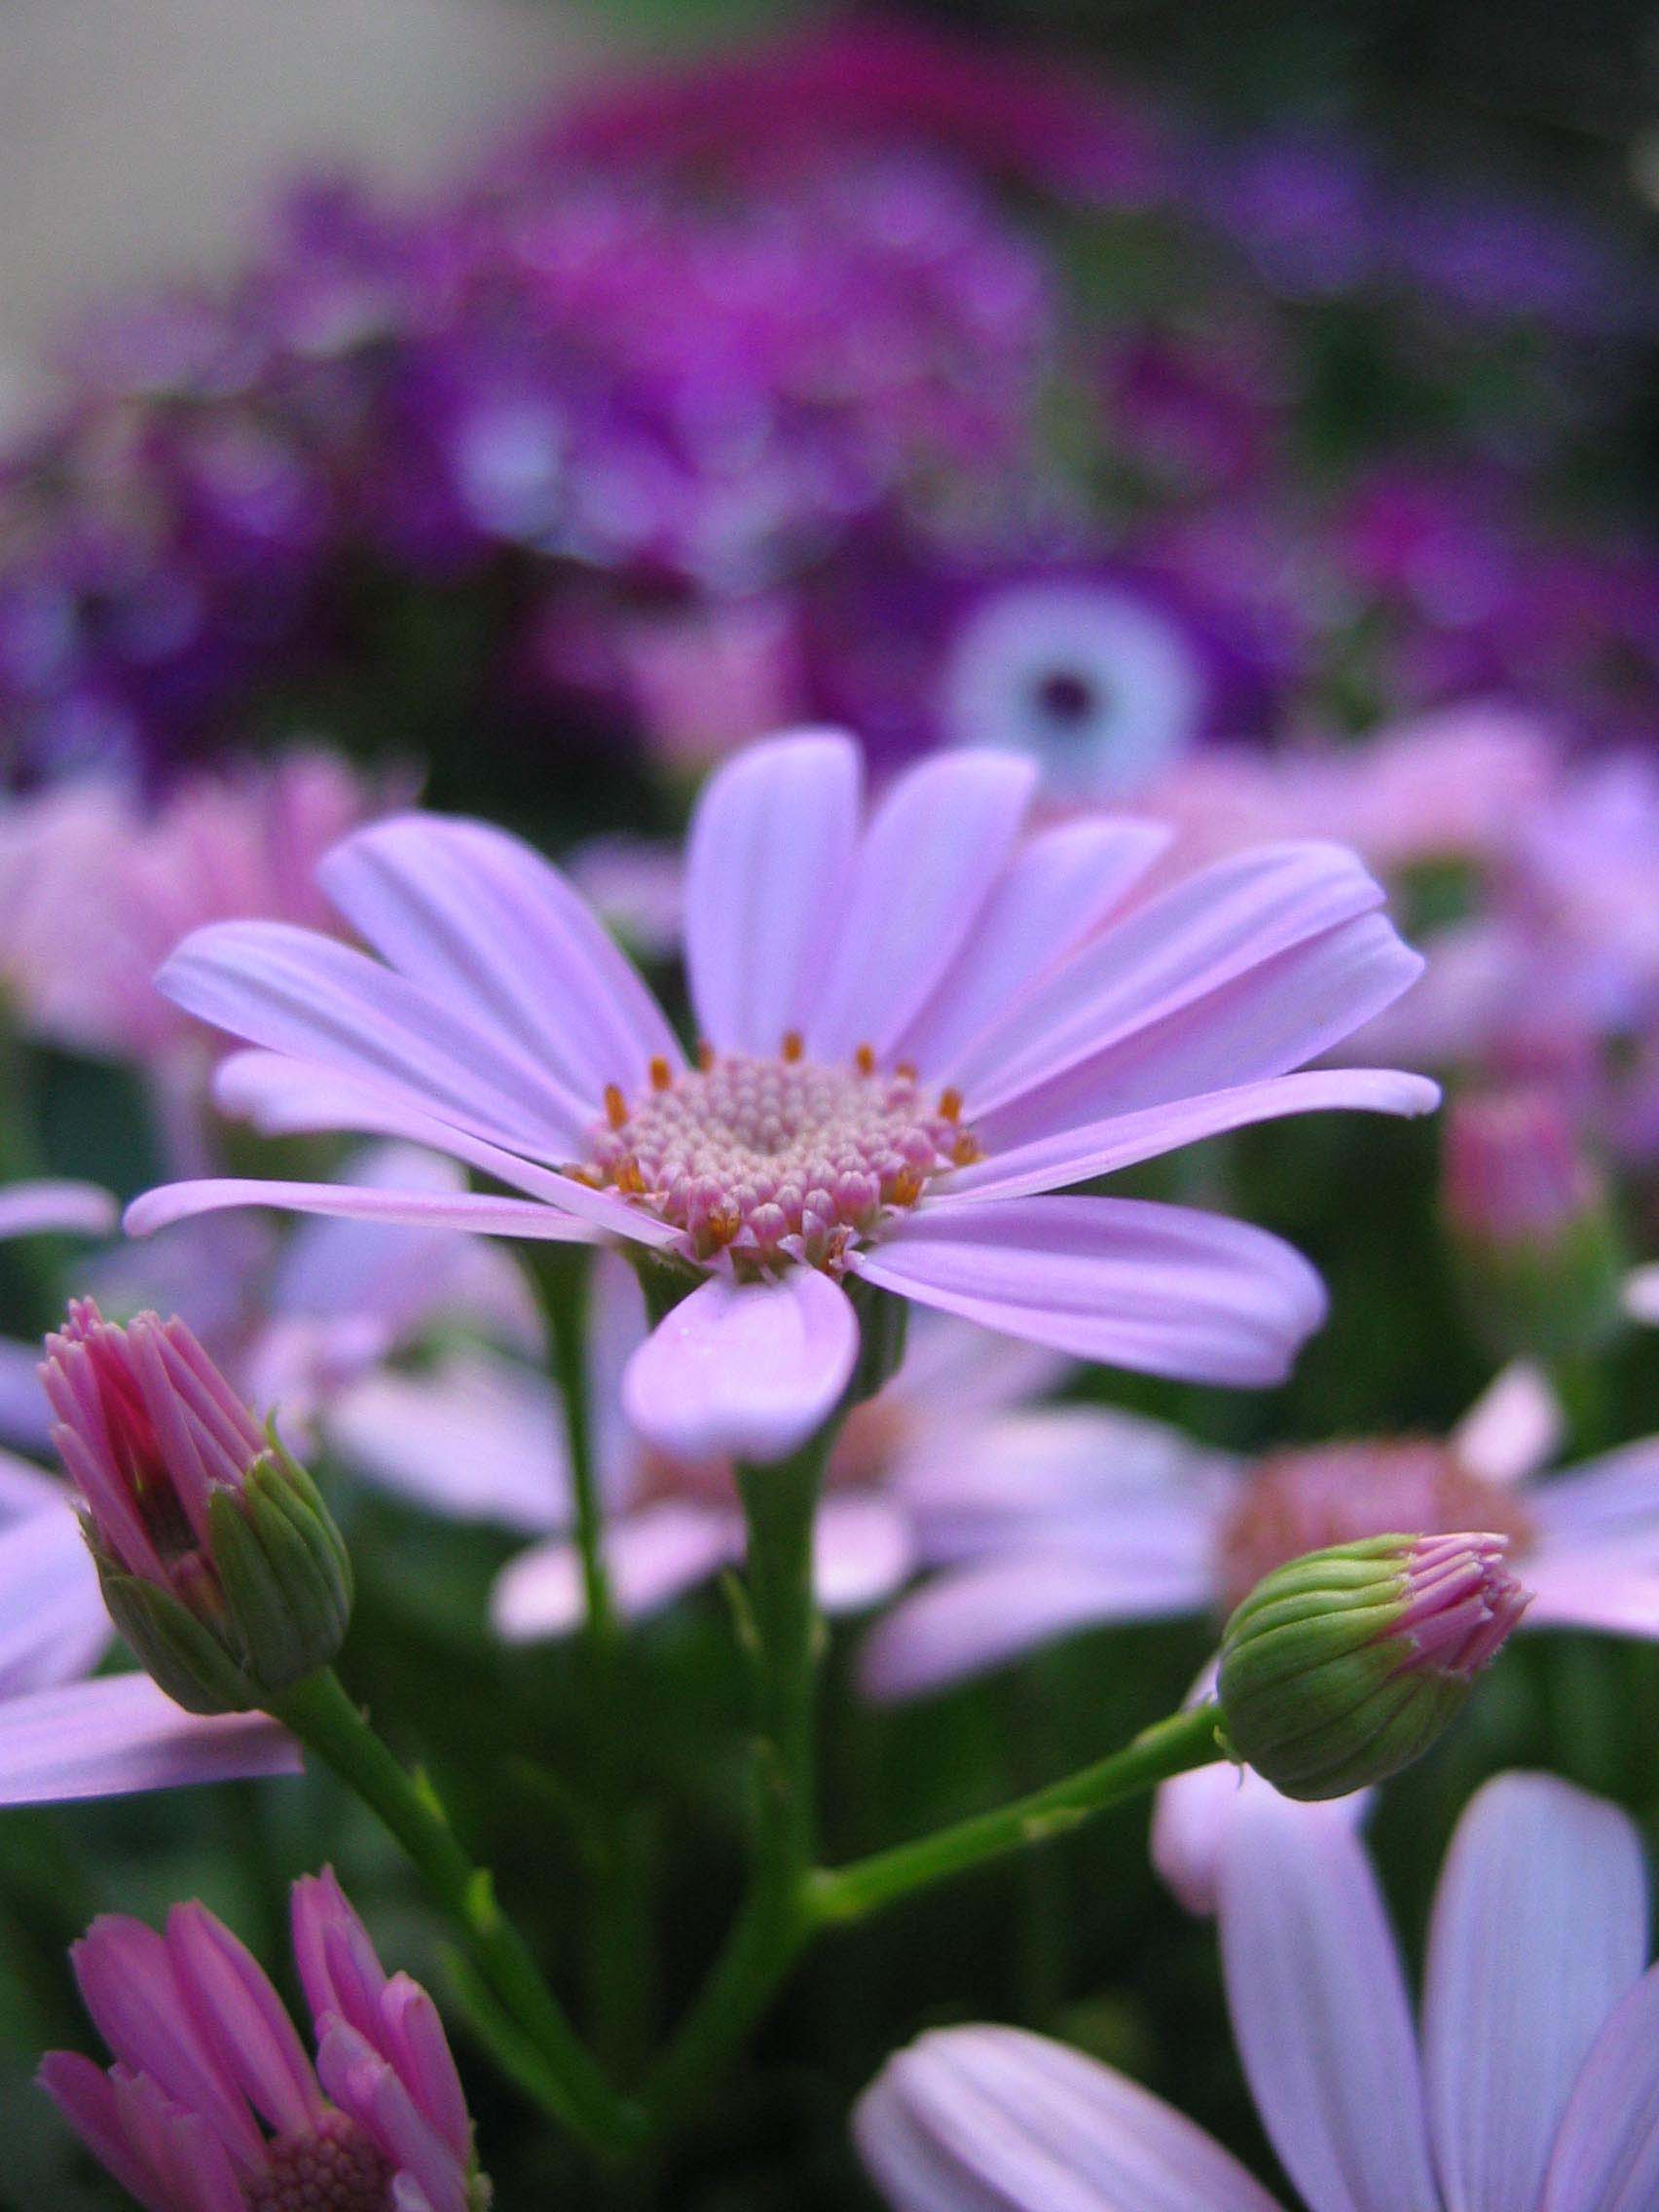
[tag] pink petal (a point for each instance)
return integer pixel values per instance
(417, 2046)
(992, 2119)
(1607, 1500)
(862, 1551)
(1319, 2010)
(476, 1437)
(26, 1209)
(653, 1555)
(1075, 1478)
(482, 921)
(295, 992)
(1245, 971)
(339, 1969)
(1122, 1141)
(953, 1371)
(287, 1098)
(86, 2097)
(1193, 1818)
(1055, 891)
(1513, 1427)
(473, 1211)
(244, 2020)
(770, 845)
(130, 1985)
(53, 1624)
(743, 1370)
(361, 2082)
(1607, 2156)
(1540, 1928)
(119, 1735)
(24, 1417)
(1601, 1588)
(970, 1619)
(924, 872)
(1134, 1284)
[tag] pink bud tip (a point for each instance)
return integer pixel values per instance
(1462, 1603)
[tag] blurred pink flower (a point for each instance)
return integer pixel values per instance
(1530, 2085)
(1462, 784)
(213, 2103)
(673, 1522)
(830, 967)
(1074, 1517)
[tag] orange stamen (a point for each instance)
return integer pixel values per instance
(795, 1045)
(616, 1106)
(661, 1074)
(863, 1060)
(950, 1105)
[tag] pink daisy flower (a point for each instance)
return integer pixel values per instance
(912, 1031)
(1530, 2084)
(1068, 1517)
(213, 2104)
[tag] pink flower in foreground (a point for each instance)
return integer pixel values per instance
(1532, 2085)
(912, 1031)
(63, 1737)
(213, 2104)
(671, 1522)
(1076, 1517)
(217, 1558)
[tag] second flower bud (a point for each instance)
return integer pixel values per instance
(220, 1564)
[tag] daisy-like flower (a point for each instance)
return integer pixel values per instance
(1077, 1517)
(910, 1032)
(1531, 2084)
(213, 2104)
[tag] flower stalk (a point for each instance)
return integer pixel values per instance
(569, 2082)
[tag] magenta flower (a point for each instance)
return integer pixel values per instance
(912, 1032)
(1532, 2085)
(214, 2104)
(63, 1737)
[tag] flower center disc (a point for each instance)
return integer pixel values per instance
(1302, 1502)
(333, 2168)
(777, 1159)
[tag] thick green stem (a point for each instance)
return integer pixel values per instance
(849, 1893)
(780, 1506)
(324, 1719)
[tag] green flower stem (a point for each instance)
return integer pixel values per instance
(618, 1975)
(1172, 1746)
(780, 1505)
(324, 1719)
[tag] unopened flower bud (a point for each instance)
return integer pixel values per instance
(1531, 1229)
(1342, 1667)
(219, 1561)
